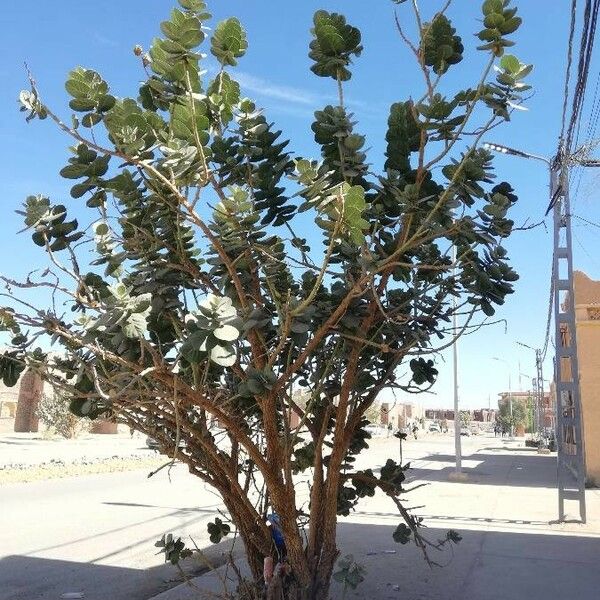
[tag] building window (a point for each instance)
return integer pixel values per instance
(594, 313)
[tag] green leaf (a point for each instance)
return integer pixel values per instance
(73, 171)
(11, 367)
(224, 356)
(101, 229)
(226, 333)
(510, 63)
(30, 102)
(193, 5)
(185, 127)
(333, 45)
(439, 44)
(487, 308)
(493, 20)
(36, 209)
(88, 89)
(224, 92)
(510, 25)
(403, 137)
(354, 206)
(135, 326)
(229, 42)
(492, 6)
(217, 530)
(402, 534)
(184, 29)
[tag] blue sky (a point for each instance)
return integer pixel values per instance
(55, 37)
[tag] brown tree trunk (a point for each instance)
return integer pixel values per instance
(30, 394)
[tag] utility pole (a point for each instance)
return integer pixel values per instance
(536, 410)
(538, 391)
(569, 438)
(569, 426)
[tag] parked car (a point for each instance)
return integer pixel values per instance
(154, 445)
(435, 428)
(465, 431)
(373, 429)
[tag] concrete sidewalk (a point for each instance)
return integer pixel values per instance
(510, 550)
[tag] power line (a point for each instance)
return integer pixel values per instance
(586, 46)
(549, 318)
(569, 63)
(588, 143)
(595, 112)
(592, 259)
(586, 220)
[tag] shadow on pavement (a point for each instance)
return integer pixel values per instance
(458, 519)
(191, 509)
(486, 565)
(34, 578)
(523, 470)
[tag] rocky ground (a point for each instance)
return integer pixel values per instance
(27, 457)
(57, 468)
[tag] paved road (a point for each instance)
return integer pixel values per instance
(511, 549)
(95, 534)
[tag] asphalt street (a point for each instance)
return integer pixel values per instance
(95, 534)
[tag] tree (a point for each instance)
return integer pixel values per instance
(513, 413)
(373, 414)
(465, 418)
(202, 302)
(53, 411)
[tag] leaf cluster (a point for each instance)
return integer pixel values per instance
(333, 45)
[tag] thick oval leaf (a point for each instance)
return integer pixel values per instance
(226, 333)
(223, 356)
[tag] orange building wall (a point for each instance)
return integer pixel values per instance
(587, 317)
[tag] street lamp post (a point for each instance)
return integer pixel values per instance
(457, 441)
(457, 474)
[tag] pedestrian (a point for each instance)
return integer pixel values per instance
(389, 429)
(415, 429)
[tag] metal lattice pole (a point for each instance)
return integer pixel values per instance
(569, 425)
(569, 439)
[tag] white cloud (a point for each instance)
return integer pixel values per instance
(297, 101)
(105, 41)
(279, 92)
(293, 95)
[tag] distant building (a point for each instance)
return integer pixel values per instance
(8, 407)
(485, 415)
(439, 414)
(400, 414)
(19, 407)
